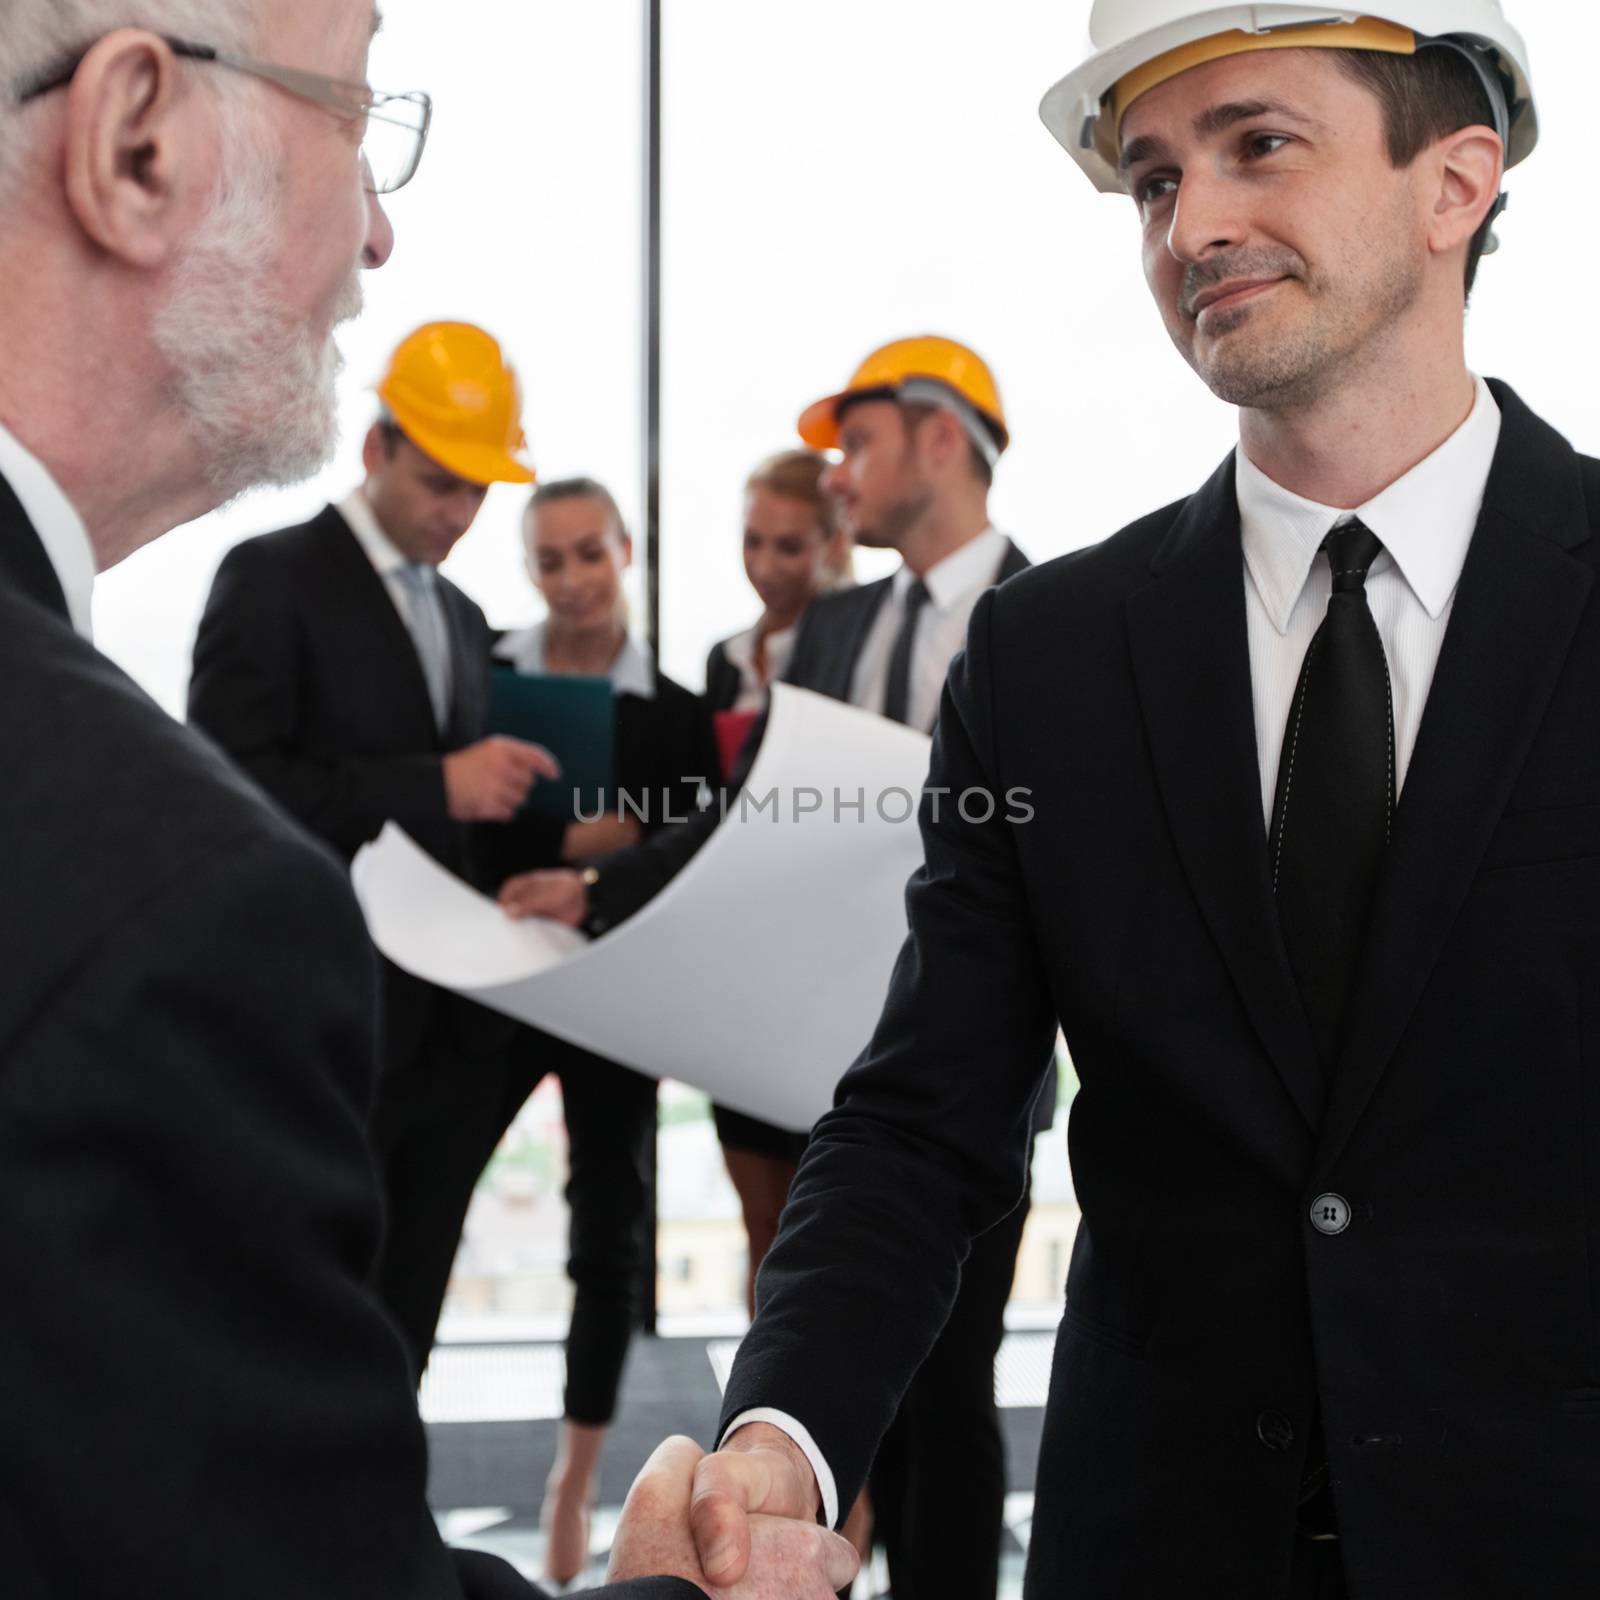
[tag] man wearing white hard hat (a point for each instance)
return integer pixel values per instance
(1312, 885)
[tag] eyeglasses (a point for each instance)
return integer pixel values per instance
(395, 126)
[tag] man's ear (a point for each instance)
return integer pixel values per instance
(372, 450)
(1469, 165)
(131, 158)
(943, 438)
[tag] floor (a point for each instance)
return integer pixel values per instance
(491, 1412)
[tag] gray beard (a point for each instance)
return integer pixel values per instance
(257, 389)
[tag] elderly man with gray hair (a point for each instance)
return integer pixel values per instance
(199, 1396)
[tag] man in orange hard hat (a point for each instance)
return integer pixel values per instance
(919, 429)
(351, 680)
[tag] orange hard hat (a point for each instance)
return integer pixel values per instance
(454, 395)
(926, 368)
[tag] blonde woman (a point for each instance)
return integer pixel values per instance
(794, 550)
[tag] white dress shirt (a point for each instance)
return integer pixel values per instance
(55, 519)
(741, 653)
(632, 672)
(1424, 521)
(954, 587)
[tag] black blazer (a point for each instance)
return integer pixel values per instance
(1450, 1337)
(832, 633)
(199, 1395)
(306, 675)
(722, 679)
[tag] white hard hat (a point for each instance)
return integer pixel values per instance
(1127, 37)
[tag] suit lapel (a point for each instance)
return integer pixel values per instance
(1012, 563)
(1191, 663)
(368, 596)
(466, 701)
(23, 561)
(1518, 605)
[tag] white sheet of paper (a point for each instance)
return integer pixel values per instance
(757, 974)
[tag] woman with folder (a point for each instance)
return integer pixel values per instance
(794, 550)
(662, 754)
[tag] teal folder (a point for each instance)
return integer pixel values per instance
(574, 719)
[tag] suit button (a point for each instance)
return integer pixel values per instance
(1275, 1431)
(1330, 1214)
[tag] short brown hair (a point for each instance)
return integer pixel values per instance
(797, 475)
(916, 412)
(1424, 97)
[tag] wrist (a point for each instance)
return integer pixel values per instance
(754, 1436)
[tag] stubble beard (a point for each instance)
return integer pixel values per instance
(1338, 333)
(256, 388)
(888, 531)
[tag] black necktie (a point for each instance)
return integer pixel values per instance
(1330, 821)
(897, 693)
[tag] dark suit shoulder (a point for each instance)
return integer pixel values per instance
(844, 605)
(1589, 467)
(117, 802)
(465, 606)
(303, 541)
(831, 620)
(673, 694)
(1115, 566)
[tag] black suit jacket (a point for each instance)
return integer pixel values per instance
(1450, 1337)
(198, 1394)
(722, 679)
(832, 633)
(306, 675)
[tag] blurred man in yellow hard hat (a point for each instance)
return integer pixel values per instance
(916, 409)
(351, 680)
(919, 429)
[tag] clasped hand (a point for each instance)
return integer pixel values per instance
(740, 1523)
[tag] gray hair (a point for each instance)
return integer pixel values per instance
(38, 37)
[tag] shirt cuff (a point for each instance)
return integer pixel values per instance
(784, 1423)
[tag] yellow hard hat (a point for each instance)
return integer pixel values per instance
(454, 395)
(925, 368)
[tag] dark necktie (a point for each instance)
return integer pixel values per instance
(1335, 799)
(897, 692)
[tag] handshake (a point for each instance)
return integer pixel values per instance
(740, 1523)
